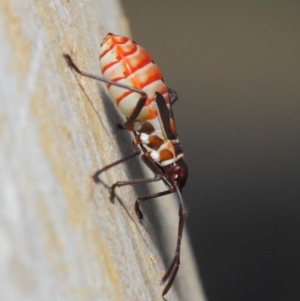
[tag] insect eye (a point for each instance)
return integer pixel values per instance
(177, 169)
(179, 173)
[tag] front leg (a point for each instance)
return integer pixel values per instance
(158, 175)
(136, 152)
(145, 198)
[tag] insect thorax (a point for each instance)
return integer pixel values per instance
(162, 150)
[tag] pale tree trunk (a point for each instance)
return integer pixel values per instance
(60, 236)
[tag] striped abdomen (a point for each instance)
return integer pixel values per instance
(123, 61)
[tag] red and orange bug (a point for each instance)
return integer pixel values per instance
(136, 86)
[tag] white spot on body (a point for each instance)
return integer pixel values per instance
(155, 155)
(144, 138)
(137, 126)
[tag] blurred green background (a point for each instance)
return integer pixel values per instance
(236, 68)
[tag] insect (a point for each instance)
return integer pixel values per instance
(136, 86)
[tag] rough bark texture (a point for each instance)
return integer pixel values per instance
(60, 236)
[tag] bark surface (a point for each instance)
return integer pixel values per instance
(61, 237)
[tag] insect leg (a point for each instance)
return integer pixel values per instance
(136, 152)
(173, 96)
(100, 78)
(132, 118)
(145, 198)
(140, 103)
(158, 175)
(132, 182)
(174, 266)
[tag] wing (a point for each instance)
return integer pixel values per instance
(166, 117)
